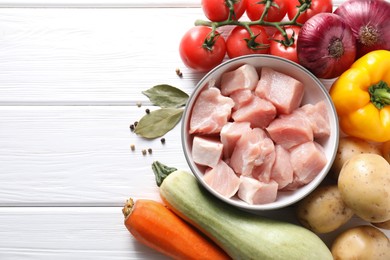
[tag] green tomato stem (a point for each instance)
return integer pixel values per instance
(230, 5)
(267, 7)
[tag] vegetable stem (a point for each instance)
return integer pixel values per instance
(304, 5)
(209, 42)
(267, 7)
(161, 171)
(230, 5)
(380, 94)
(128, 208)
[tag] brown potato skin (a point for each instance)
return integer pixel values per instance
(323, 210)
(386, 151)
(383, 225)
(364, 185)
(349, 146)
(361, 243)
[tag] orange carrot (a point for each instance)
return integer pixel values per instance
(154, 225)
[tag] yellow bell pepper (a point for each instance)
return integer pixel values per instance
(361, 96)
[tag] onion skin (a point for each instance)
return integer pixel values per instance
(370, 23)
(326, 46)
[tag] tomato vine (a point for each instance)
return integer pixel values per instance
(288, 41)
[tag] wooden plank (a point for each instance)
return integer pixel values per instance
(99, 3)
(94, 56)
(106, 3)
(91, 56)
(94, 233)
(78, 155)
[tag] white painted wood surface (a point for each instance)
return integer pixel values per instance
(71, 74)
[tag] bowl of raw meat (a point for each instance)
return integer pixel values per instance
(260, 132)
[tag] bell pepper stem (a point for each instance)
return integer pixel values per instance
(380, 94)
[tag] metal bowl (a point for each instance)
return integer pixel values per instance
(314, 91)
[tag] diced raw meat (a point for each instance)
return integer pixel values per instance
(211, 112)
(282, 171)
(283, 91)
(206, 151)
(253, 191)
(222, 179)
(230, 134)
(307, 160)
(290, 130)
(259, 112)
(247, 151)
(265, 161)
(244, 77)
(241, 98)
(318, 118)
(295, 184)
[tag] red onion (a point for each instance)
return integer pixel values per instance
(370, 23)
(326, 45)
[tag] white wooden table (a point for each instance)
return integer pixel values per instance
(71, 75)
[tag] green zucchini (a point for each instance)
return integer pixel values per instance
(241, 234)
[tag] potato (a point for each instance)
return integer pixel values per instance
(349, 146)
(361, 243)
(386, 151)
(323, 210)
(364, 185)
(383, 225)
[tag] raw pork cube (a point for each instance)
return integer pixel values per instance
(318, 118)
(253, 191)
(294, 185)
(282, 171)
(283, 91)
(245, 77)
(247, 152)
(241, 98)
(307, 160)
(222, 179)
(259, 112)
(211, 112)
(230, 134)
(265, 161)
(206, 151)
(290, 130)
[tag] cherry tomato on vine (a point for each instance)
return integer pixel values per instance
(199, 52)
(279, 49)
(316, 7)
(239, 38)
(217, 10)
(277, 11)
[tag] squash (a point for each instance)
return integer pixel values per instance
(241, 234)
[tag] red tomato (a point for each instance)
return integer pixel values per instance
(277, 11)
(194, 53)
(217, 10)
(316, 7)
(279, 49)
(237, 41)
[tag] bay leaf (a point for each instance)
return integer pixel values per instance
(166, 96)
(158, 122)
